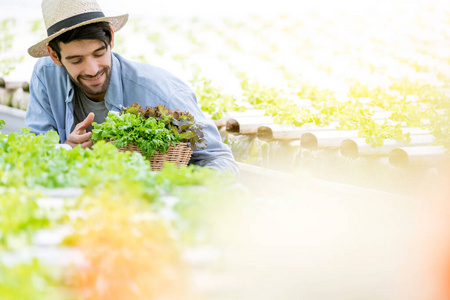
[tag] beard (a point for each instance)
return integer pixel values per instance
(93, 90)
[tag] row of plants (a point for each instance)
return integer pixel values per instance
(126, 228)
(428, 111)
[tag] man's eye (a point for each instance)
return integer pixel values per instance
(76, 62)
(99, 54)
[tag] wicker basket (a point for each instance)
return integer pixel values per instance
(179, 155)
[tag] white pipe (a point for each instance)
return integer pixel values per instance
(359, 145)
(279, 132)
(247, 125)
(421, 155)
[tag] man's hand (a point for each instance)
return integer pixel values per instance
(79, 136)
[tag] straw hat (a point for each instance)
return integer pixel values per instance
(63, 15)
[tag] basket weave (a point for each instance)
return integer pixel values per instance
(179, 155)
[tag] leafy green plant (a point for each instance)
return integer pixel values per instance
(21, 218)
(34, 161)
(7, 64)
(33, 280)
(6, 36)
(151, 129)
(149, 135)
(213, 101)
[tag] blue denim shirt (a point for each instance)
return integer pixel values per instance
(51, 102)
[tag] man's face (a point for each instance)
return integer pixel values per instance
(88, 63)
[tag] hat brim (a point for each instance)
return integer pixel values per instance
(40, 49)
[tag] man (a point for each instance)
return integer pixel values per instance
(78, 79)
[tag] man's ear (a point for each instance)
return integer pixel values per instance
(53, 55)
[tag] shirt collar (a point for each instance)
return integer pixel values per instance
(114, 94)
(70, 90)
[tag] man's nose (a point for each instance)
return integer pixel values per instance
(91, 67)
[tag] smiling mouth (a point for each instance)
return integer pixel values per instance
(93, 79)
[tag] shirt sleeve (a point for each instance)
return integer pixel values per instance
(216, 155)
(39, 117)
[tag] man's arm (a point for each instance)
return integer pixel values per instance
(39, 113)
(216, 155)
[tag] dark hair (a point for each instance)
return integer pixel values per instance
(95, 31)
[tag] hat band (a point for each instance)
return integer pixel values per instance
(72, 21)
